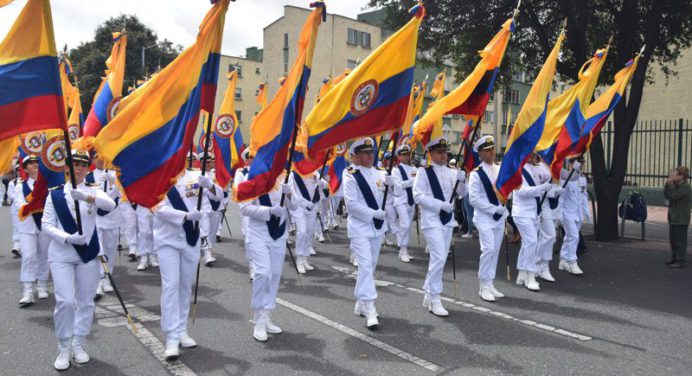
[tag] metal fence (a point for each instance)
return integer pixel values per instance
(656, 147)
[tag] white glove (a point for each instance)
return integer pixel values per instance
(577, 166)
(461, 176)
(193, 215)
(407, 184)
(545, 187)
(447, 207)
(322, 184)
(79, 195)
(278, 211)
(558, 190)
(205, 182)
(77, 239)
(500, 210)
(388, 180)
(286, 189)
(379, 214)
(309, 205)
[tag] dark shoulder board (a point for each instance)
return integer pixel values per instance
(350, 169)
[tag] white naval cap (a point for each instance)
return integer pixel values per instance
(483, 143)
(439, 143)
(403, 149)
(210, 156)
(361, 144)
(246, 154)
(29, 158)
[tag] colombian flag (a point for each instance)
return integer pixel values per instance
(413, 112)
(108, 95)
(30, 89)
(471, 97)
(150, 136)
(528, 128)
(273, 128)
(51, 173)
(568, 109)
(575, 141)
(228, 141)
(336, 168)
(373, 98)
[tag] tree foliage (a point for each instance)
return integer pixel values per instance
(89, 59)
(454, 30)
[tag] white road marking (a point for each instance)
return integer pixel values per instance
(361, 336)
(109, 314)
(537, 325)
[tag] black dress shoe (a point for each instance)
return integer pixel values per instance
(671, 262)
(16, 253)
(678, 265)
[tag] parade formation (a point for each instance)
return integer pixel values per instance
(130, 179)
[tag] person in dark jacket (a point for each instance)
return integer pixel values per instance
(679, 194)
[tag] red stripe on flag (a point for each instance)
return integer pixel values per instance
(32, 114)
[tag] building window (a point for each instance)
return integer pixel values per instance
(238, 93)
(286, 40)
(351, 64)
(285, 53)
(352, 37)
(257, 70)
(488, 117)
(511, 96)
(365, 40)
(237, 68)
(239, 116)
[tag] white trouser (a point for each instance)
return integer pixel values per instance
(268, 260)
(214, 224)
(366, 251)
(491, 242)
(390, 218)
(305, 230)
(333, 205)
(546, 240)
(15, 229)
(108, 238)
(204, 225)
(129, 216)
(75, 286)
(438, 239)
(178, 269)
(405, 214)
(145, 234)
(528, 253)
(244, 220)
(571, 240)
(34, 256)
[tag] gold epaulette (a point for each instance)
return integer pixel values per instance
(477, 168)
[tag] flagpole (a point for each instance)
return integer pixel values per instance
(283, 195)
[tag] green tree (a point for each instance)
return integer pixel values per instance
(454, 30)
(89, 59)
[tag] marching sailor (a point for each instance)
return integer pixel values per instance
(177, 238)
(489, 216)
(33, 241)
(72, 258)
(145, 239)
(571, 208)
(128, 213)
(363, 194)
(433, 189)
(526, 212)
(265, 240)
(305, 215)
(390, 211)
(107, 223)
(404, 204)
(211, 208)
(14, 211)
(546, 233)
(240, 176)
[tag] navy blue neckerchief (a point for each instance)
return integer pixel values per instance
(89, 178)
(368, 196)
(274, 225)
(36, 216)
(134, 206)
(191, 233)
(436, 189)
(214, 204)
(245, 170)
(409, 190)
(489, 191)
(86, 252)
(553, 202)
(532, 183)
(303, 189)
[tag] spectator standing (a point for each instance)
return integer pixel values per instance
(678, 193)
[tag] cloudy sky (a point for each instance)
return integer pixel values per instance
(176, 20)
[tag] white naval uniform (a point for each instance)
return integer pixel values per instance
(210, 218)
(304, 219)
(525, 215)
(33, 242)
(14, 212)
(365, 238)
(571, 208)
(546, 233)
(267, 253)
(177, 258)
(74, 281)
(490, 231)
(404, 211)
(128, 214)
(145, 232)
(108, 225)
(437, 235)
(334, 201)
(241, 176)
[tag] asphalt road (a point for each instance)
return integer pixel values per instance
(628, 315)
